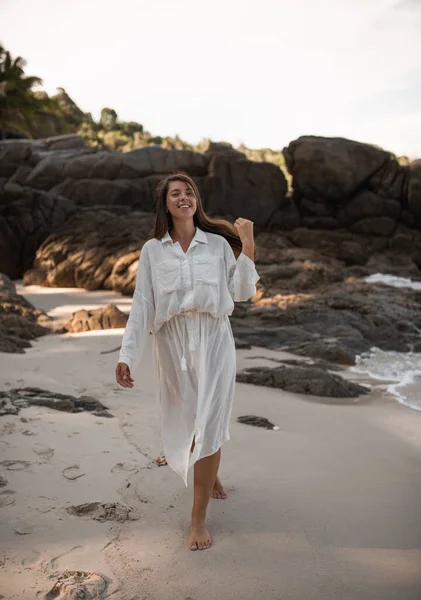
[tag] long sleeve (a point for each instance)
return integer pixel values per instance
(141, 316)
(241, 275)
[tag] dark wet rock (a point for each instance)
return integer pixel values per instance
(109, 317)
(12, 401)
(74, 585)
(304, 379)
(256, 421)
(104, 511)
(27, 218)
(334, 322)
(20, 322)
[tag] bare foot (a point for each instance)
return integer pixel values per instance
(218, 491)
(200, 538)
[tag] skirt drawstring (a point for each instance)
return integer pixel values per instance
(192, 345)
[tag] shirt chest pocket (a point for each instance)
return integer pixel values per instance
(206, 270)
(168, 276)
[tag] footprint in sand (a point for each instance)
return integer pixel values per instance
(15, 465)
(53, 561)
(72, 472)
(7, 498)
(32, 559)
(104, 511)
(3, 481)
(24, 529)
(27, 432)
(124, 467)
(43, 451)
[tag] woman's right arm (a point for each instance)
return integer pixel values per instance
(141, 316)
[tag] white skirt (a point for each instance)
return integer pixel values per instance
(195, 403)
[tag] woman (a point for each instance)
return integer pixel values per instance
(187, 281)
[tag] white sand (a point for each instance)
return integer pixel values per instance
(328, 507)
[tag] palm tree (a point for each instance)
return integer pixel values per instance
(19, 104)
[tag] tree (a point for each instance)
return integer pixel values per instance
(108, 119)
(19, 104)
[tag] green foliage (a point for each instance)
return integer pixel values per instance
(19, 103)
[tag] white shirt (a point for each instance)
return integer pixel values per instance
(206, 278)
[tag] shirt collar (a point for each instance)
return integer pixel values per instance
(200, 236)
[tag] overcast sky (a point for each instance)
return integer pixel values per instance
(262, 72)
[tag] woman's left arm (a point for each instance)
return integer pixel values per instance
(241, 273)
(244, 229)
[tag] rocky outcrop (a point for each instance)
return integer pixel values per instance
(109, 317)
(27, 217)
(333, 322)
(341, 183)
(96, 249)
(20, 322)
(64, 173)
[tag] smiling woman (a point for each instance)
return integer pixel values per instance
(188, 279)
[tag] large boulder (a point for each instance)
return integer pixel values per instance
(153, 160)
(244, 188)
(27, 217)
(335, 169)
(89, 250)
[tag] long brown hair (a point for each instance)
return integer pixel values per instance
(164, 221)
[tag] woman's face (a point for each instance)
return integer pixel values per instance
(181, 201)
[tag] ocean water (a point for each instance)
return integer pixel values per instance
(401, 370)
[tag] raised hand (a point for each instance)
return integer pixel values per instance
(244, 229)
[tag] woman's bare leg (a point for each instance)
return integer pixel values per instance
(218, 491)
(205, 471)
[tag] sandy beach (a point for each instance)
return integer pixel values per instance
(327, 507)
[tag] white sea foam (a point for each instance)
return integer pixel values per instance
(394, 281)
(402, 370)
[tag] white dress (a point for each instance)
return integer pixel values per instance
(184, 299)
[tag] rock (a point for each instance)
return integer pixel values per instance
(20, 322)
(300, 270)
(365, 205)
(89, 250)
(224, 149)
(330, 170)
(74, 585)
(384, 226)
(104, 511)
(307, 380)
(13, 400)
(334, 322)
(256, 421)
(244, 188)
(27, 218)
(109, 317)
(152, 160)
